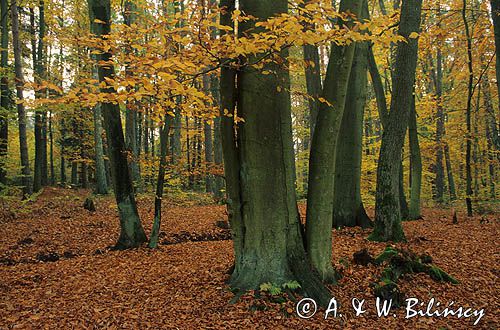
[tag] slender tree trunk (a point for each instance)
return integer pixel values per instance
(218, 157)
(272, 249)
(100, 170)
(155, 231)
(495, 15)
(348, 209)
(492, 135)
(74, 174)
(323, 150)
(439, 182)
(387, 207)
(449, 173)
(131, 234)
(21, 112)
(129, 17)
(416, 165)
(84, 175)
(4, 92)
(41, 177)
(51, 150)
(313, 85)
(468, 171)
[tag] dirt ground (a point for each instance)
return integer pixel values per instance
(57, 271)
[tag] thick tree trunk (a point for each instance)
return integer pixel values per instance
(348, 209)
(131, 231)
(323, 150)
(261, 165)
(229, 143)
(416, 165)
(4, 92)
(387, 207)
(21, 111)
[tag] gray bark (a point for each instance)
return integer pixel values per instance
(348, 209)
(387, 206)
(21, 111)
(261, 169)
(4, 92)
(322, 155)
(468, 171)
(416, 165)
(131, 231)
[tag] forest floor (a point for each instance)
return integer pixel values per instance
(57, 271)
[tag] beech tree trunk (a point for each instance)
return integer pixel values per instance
(439, 182)
(259, 171)
(155, 231)
(4, 92)
(41, 175)
(348, 209)
(131, 230)
(322, 155)
(416, 165)
(468, 151)
(387, 206)
(21, 111)
(129, 17)
(100, 170)
(495, 16)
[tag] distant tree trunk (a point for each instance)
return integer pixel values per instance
(416, 165)
(131, 234)
(84, 175)
(387, 206)
(63, 167)
(492, 135)
(129, 17)
(323, 151)
(272, 249)
(495, 15)
(155, 231)
(218, 157)
(4, 92)
(313, 85)
(209, 146)
(403, 204)
(176, 137)
(21, 112)
(51, 146)
(41, 175)
(468, 171)
(348, 209)
(100, 170)
(74, 174)
(439, 182)
(449, 173)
